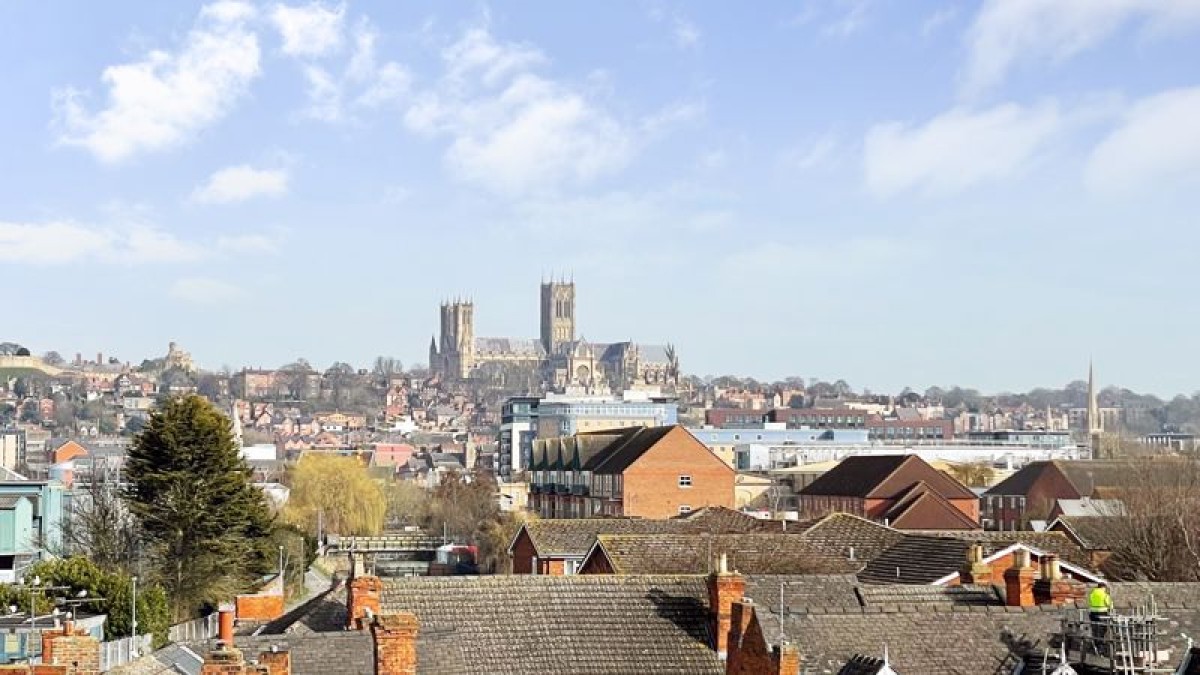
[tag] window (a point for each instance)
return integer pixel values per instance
(570, 567)
(685, 481)
(684, 508)
(534, 567)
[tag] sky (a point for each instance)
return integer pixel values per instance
(892, 193)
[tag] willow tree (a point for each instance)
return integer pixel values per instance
(204, 522)
(337, 491)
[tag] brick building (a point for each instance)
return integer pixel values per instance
(1032, 492)
(901, 490)
(656, 472)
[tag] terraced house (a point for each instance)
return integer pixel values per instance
(656, 472)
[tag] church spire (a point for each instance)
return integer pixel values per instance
(1095, 425)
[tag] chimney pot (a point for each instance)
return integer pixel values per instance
(225, 626)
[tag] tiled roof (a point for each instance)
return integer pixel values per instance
(1092, 532)
(573, 537)
(884, 595)
(922, 506)
(340, 653)
(806, 590)
(573, 624)
(856, 475)
(851, 536)
(942, 640)
(725, 519)
(694, 553)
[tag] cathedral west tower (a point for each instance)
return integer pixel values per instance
(558, 314)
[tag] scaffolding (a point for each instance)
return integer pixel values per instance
(1121, 644)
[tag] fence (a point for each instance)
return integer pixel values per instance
(203, 628)
(119, 652)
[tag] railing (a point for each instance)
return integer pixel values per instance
(203, 628)
(120, 652)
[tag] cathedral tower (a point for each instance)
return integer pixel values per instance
(457, 349)
(558, 314)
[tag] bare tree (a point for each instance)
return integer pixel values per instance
(1154, 533)
(100, 527)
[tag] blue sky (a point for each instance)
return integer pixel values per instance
(894, 193)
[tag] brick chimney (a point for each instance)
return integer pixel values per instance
(71, 648)
(395, 639)
(1018, 581)
(276, 661)
(975, 570)
(724, 588)
(363, 594)
(1052, 588)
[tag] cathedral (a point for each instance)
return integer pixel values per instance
(554, 361)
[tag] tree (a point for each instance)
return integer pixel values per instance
(337, 490)
(100, 527)
(53, 358)
(31, 413)
(112, 594)
(203, 519)
(339, 379)
(1154, 533)
(407, 503)
(972, 474)
(463, 503)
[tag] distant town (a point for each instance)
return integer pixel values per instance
(551, 463)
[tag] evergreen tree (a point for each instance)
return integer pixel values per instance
(204, 522)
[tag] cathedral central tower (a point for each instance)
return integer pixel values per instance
(558, 314)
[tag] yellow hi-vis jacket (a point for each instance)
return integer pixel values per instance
(1099, 600)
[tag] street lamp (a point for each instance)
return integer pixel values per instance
(133, 610)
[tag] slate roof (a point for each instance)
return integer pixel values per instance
(488, 346)
(923, 559)
(992, 540)
(543, 624)
(694, 553)
(617, 457)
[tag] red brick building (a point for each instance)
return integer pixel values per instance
(655, 472)
(903, 491)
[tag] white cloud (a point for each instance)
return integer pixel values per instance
(685, 33)
(164, 99)
(311, 30)
(851, 17)
(935, 21)
(957, 149)
(239, 183)
(1158, 142)
(812, 154)
(62, 242)
(262, 244)
(513, 131)
(364, 84)
(1006, 32)
(205, 291)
